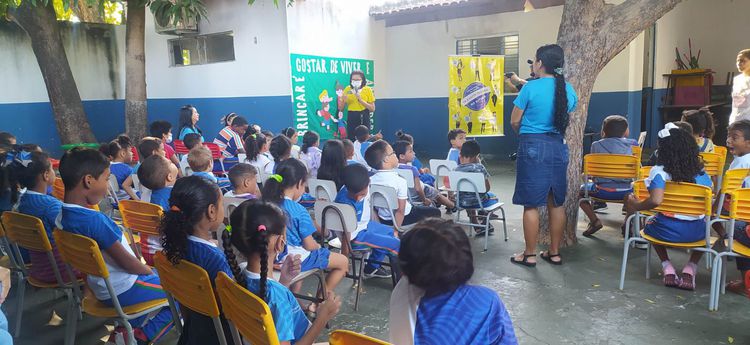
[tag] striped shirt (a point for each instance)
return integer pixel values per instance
(229, 141)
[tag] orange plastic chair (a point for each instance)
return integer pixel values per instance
(342, 337)
(191, 286)
(739, 209)
(141, 217)
(713, 165)
(58, 191)
(643, 172)
(722, 151)
(83, 254)
(248, 313)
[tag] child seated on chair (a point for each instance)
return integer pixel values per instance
(424, 173)
(193, 214)
(163, 130)
(349, 152)
(33, 171)
(380, 156)
(437, 264)
(191, 141)
(258, 231)
(280, 150)
(202, 164)
(456, 137)
(364, 140)
(256, 147)
(120, 155)
(285, 187)
(422, 192)
(310, 153)
(85, 173)
(469, 158)
(738, 145)
(614, 141)
(703, 127)
(147, 147)
(679, 162)
(159, 175)
(380, 238)
(244, 179)
(681, 125)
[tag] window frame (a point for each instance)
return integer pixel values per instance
(201, 46)
(474, 48)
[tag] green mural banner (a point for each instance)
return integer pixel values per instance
(318, 83)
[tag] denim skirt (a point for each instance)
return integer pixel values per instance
(541, 169)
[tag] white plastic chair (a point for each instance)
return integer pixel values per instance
(474, 182)
(385, 197)
(145, 192)
(322, 189)
(441, 168)
(230, 204)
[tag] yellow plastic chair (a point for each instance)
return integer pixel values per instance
(679, 198)
(58, 191)
(603, 165)
(141, 217)
(722, 151)
(732, 181)
(714, 167)
(342, 337)
(191, 286)
(643, 172)
(739, 209)
(248, 314)
(28, 232)
(637, 152)
(83, 254)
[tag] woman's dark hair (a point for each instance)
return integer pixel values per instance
(291, 171)
(361, 74)
(186, 119)
(436, 256)
(22, 169)
(553, 59)
(188, 202)
(6, 138)
(280, 148)
(403, 136)
(289, 132)
(253, 144)
(702, 121)
(680, 156)
(309, 140)
(332, 162)
(252, 222)
(239, 121)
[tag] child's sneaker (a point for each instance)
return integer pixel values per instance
(379, 272)
(118, 336)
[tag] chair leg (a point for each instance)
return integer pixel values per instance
(235, 334)
(359, 281)
(625, 251)
(175, 315)
(505, 227)
(219, 331)
(487, 230)
(131, 334)
(71, 321)
(21, 294)
(648, 262)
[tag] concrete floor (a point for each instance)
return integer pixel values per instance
(577, 303)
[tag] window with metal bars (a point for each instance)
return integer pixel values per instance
(500, 45)
(202, 49)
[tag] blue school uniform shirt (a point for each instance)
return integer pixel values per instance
(479, 311)
(42, 206)
(537, 101)
(454, 154)
(615, 146)
(299, 225)
(289, 319)
(161, 197)
(417, 163)
(121, 171)
(657, 179)
(363, 147)
(206, 175)
(362, 208)
(135, 168)
(206, 255)
(100, 228)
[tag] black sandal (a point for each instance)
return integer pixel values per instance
(525, 260)
(549, 257)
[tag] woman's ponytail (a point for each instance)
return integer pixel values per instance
(552, 57)
(288, 174)
(263, 249)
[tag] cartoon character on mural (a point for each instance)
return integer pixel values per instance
(459, 68)
(494, 94)
(324, 113)
(491, 67)
(457, 119)
(341, 132)
(469, 124)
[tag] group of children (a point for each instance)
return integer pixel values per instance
(676, 159)
(271, 230)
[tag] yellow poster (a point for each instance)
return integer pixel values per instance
(475, 97)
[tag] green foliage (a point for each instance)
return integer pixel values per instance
(275, 2)
(171, 12)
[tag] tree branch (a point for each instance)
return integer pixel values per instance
(628, 19)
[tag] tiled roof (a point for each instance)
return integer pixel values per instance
(408, 5)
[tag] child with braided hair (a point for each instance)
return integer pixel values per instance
(258, 232)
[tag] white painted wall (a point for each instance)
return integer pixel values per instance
(339, 28)
(718, 27)
(261, 66)
(87, 54)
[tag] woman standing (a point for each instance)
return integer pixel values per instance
(359, 100)
(189, 117)
(741, 88)
(541, 116)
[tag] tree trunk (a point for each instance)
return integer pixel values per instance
(592, 33)
(40, 23)
(136, 116)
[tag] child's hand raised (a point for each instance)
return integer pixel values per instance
(290, 269)
(330, 307)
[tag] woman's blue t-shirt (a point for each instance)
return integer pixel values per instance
(537, 101)
(187, 130)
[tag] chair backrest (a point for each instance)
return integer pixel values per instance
(81, 252)
(230, 204)
(739, 208)
(322, 189)
(13, 257)
(643, 172)
(383, 197)
(611, 166)
(637, 152)
(335, 217)
(722, 151)
(215, 150)
(733, 180)
(680, 198)
(134, 150)
(408, 175)
(247, 312)
(113, 185)
(180, 148)
(712, 163)
(467, 182)
(58, 189)
(189, 284)
(342, 337)
(26, 231)
(441, 167)
(141, 216)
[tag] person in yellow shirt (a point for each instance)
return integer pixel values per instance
(359, 99)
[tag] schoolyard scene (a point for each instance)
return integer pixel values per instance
(408, 172)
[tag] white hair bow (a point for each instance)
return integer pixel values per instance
(665, 132)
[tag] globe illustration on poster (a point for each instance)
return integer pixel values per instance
(476, 96)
